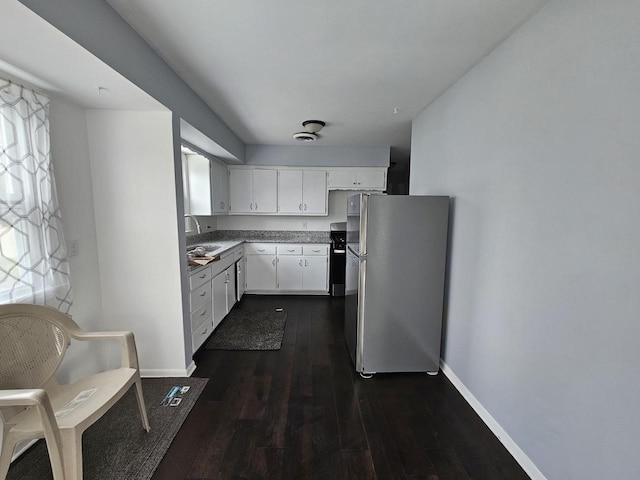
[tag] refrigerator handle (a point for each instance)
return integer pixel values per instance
(361, 256)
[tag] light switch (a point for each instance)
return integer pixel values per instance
(73, 248)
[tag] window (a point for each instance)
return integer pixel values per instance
(33, 265)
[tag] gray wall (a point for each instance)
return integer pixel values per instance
(317, 155)
(98, 28)
(539, 145)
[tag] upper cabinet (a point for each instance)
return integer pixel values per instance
(357, 178)
(220, 192)
(302, 192)
(253, 190)
(206, 186)
(197, 185)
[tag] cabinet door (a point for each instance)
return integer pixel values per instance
(316, 273)
(290, 269)
(199, 178)
(342, 179)
(261, 272)
(265, 191)
(220, 182)
(240, 278)
(231, 287)
(372, 178)
(219, 298)
(240, 191)
(314, 192)
(290, 191)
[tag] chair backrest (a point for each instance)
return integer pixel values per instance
(32, 345)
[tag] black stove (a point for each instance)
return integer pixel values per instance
(337, 258)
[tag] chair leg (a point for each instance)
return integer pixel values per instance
(6, 453)
(72, 452)
(55, 458)
(141, 407)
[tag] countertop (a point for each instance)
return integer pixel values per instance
(229, 239)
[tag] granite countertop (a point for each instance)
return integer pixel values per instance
(260, 236)
(228, 239)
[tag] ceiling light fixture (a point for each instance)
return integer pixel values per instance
(312, 128)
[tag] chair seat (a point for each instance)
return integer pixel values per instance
(110, 387)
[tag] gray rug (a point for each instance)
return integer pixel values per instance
(246, 330)
(116, 447)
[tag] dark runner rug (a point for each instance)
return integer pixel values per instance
(246, 330)
(116, 447)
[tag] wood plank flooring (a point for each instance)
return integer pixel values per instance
(303, 413)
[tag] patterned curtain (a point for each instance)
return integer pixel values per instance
(33, 260)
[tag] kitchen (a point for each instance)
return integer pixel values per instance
(524, 139)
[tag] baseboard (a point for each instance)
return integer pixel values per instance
(160, 372)
(516, 452)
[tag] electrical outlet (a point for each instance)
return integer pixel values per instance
(73, 248)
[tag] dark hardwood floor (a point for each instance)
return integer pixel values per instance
(302, 412)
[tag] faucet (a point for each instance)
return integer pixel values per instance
(192, 217)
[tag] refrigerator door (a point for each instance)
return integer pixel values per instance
(403, 277)
(355, 282)
(351, 303)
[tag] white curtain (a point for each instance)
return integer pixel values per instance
(33, 260)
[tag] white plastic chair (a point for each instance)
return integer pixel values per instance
(33, 341)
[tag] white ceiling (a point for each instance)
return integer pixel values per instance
(265, 66)
(32, 51)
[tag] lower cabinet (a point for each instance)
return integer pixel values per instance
(260, 267)
(219, 298)
(212, 295)
(287, 268)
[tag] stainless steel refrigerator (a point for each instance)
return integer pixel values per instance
(394, 285)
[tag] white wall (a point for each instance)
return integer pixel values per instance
(70, 158)
(318, 155)
(139, 254)
(337, 213)
(539, 147)
(98, 28)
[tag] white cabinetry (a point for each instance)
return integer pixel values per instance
(253, 190)
(302, 192)
(287, 268)
(260, 266)
(198, 184)
(219, 284)
(200, 306)
(357, 178)
(212, 294)
(206, 186)
(220, 192)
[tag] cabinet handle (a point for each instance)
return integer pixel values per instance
(251, 206)
(300, 207)
(354, 183)
(261, 249)
(203, 313)
(203, 294)
(204, 275)
(316, 251)
(256, 206)
(300, 262)
(306, 264)
(274, 262)
(305, 207)
(204, 332)
(290, 250)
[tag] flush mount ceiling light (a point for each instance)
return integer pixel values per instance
(312, 128)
